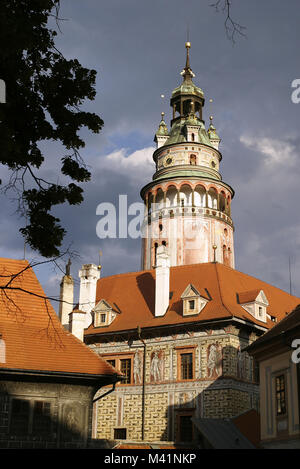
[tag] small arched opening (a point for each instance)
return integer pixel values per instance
(193, 159)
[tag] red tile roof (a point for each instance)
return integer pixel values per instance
(134, 295)
(33, 335)
(248, 296)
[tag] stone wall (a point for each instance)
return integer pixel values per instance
(67, 424)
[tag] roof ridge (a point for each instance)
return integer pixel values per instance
(153, 270)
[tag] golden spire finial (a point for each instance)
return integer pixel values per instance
(188, 46)
(215, 248)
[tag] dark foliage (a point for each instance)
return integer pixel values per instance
(44, 93)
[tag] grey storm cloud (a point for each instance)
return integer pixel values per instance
(137, 48)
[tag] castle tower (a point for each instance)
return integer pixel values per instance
(187, 205)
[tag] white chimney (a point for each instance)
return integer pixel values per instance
(162, 281)
(66, 300)
(77, 323)
(88, 274)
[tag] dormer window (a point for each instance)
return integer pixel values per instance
(104, 314)
(254, 302)
(193, 302)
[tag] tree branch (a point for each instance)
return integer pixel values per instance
(231, 27)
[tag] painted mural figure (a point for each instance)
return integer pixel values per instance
(137, 368)
(214, 362)
(155, 369)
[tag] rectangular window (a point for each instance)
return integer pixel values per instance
(191, 304)
(122, 363)
(103, 317)
(125, 368)
(120, 433)
(280, 395)
(41, 422)
(185, 428)
(19, 418)
(100, 319)
(186, 365)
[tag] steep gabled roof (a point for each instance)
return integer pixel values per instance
(134, 294)
(31, 332)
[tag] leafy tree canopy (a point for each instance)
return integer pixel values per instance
(44, 93)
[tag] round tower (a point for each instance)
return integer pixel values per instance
(187, 205)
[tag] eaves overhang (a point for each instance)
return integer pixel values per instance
(17, 374)
(165, 327)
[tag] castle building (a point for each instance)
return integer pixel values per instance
(178, 328)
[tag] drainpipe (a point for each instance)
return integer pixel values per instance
(144, 378)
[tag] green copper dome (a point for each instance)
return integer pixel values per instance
(188, 88)
(178, 132)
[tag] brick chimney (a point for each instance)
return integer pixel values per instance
(162, 281)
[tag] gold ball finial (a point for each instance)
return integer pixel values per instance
(211, 117)
(187, 44)
(215, 246)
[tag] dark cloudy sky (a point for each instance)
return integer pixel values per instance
(138, 50)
